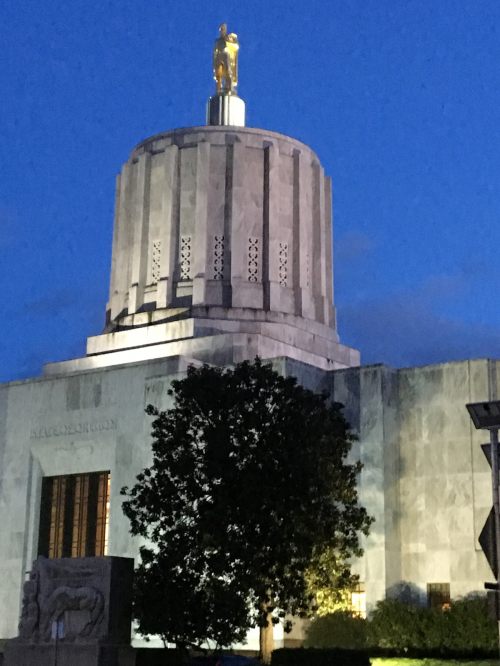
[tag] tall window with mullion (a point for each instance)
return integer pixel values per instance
(438, 595)
(74, 515)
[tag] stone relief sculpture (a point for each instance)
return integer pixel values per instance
(81, 606)
(79, 609)
(225, 61)
(30, 613)
(66, 599)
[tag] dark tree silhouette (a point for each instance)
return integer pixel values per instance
(248, 489)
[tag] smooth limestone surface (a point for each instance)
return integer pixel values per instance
(222, 250)
(425, 479)
(228, 224)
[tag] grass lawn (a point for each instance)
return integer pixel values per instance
(376, 661)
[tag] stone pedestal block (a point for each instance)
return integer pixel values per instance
(21, 654)
(76, 612)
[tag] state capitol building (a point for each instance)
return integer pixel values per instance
(222, 251)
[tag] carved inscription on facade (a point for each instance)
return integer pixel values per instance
(72, 429)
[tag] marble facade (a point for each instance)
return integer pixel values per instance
(222, 251)
(425, 479)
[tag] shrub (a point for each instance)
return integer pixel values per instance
(396, 626)
(408, 630)
(467, 627)
(318, 657)
(339, 629)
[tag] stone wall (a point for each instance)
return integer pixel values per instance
(425, 479)
(88, 422)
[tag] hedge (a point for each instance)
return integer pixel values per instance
(317, 657)
(464, 629)
(400, 629)
(340, 629)
(172, 657)
(158, 657)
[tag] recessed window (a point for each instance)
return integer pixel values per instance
(358, 600)
(438, 595)
(74, 515)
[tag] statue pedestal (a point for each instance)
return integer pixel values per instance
(25, 654)
(226, 110)
(76, 611)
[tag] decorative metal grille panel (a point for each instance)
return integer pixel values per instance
(218, 257)
(156, 262)
(283, 264)
(185, 258)
(253, 259)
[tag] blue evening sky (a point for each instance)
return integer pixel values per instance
(400, 99)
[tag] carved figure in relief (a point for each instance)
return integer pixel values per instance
(46, 599)
(64, 599)
(225, 61)
(30, 613)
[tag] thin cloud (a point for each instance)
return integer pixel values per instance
(404, 330)
(353, 245)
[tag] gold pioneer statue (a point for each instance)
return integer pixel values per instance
(225, 61)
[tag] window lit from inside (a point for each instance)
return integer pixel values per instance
(358, 600)
(74, 515)
(438, 595)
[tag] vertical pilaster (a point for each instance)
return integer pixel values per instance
(298, 251)
(296, 258)
(372, 479)
(329, 275)
(274, 227)
(239, 240)
(200, 249)
(318, 244)
(169, 226)
(228, 212)
(234, 211)
(140, 215)
(265, 231)
(120, 254)
(323, 314)
(115, 290)
(305, 192)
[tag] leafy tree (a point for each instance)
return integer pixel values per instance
(248, 488)
(173, 600)
(329, 582)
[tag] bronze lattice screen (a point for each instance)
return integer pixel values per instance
(74, 515)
